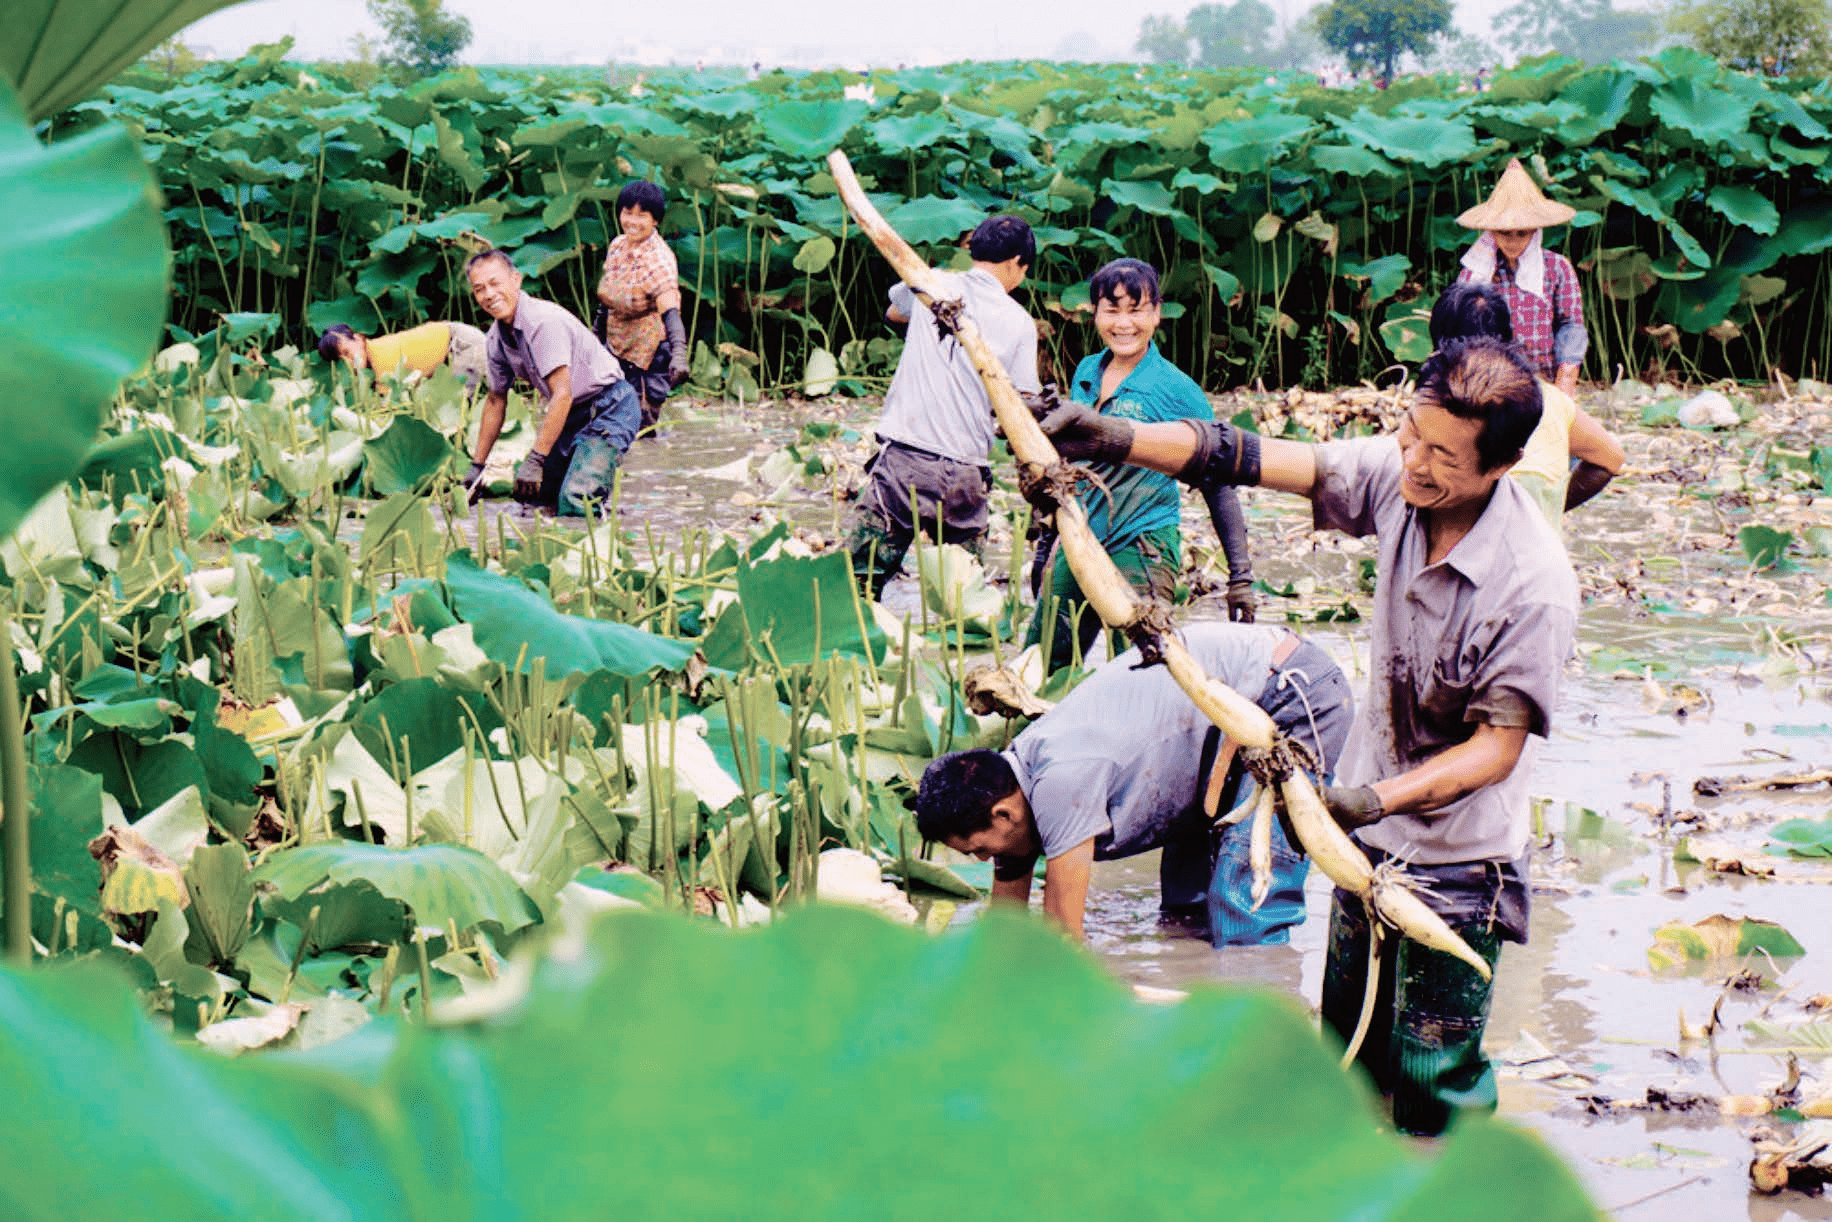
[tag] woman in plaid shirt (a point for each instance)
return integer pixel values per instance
(640, 292)
(1541, 287)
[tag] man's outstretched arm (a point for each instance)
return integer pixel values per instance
(1201, 453)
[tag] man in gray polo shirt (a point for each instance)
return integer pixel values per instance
(589, 412)
(937, 427)
(1475, 611)
(1127, 764)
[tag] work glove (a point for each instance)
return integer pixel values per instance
(1043, 402)
(1241, 602)
(1353, 806)
(677, 347)
(528, 476)
(1587, 479)
(473, 483)
(1082, 434)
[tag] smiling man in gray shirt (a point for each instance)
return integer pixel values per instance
(589, 411)
(937, 427)
(1474, 615)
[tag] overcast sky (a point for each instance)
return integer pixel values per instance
(806, 32)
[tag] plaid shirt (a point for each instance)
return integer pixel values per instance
(635, 274)
(1538, 320)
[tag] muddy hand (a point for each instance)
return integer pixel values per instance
(1353, 806)
(473, 483)
(1241, 603)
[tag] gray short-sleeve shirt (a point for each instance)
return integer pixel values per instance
(936, 401)
(541, 338)
(1120, 757)
(1481, 636)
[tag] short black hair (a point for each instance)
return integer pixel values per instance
(645, 195)
(959, 791)
(1467, 310)
(1137, 278)
(1484, 379)
(495, 254)
(330, 343)
(998, 238)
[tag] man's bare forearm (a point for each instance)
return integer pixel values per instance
(1485, 758)
(490, 425)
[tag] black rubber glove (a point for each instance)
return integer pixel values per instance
(677, 346)
(601, 323)
(473, 482)
(529, 475)
(1226, 455)
(1082, 434)
(1242, 605)
(1353, 807)
(1587, 479)
(1045, 401)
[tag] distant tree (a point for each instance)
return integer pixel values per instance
(420, 34)
(1375, 33)
(1237, 35)
(1591, 30)
(1779, 37)
(173, 58)
(1465, 54)
(1163, 39)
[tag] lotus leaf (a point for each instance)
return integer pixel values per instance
(809, 129)
(1804, 837)
(406, 456)
(935, 219)
(1206, 1095)
(83, 264)
(1745, 207)
(515, 626)
(440, 883)
(58, 51)
(1427, 142)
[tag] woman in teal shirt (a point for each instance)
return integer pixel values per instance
(1136, 516)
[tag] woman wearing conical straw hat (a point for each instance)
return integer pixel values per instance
(1541, 287)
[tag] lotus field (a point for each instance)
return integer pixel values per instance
(1303, 229)
(334, 775)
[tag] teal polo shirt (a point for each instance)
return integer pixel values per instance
(1141, 500)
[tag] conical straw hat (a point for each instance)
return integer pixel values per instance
(1516, 204)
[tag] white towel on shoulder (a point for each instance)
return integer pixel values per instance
(1530, 275)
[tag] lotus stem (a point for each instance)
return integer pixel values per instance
(16, 821)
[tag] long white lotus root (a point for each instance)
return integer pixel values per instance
(1112, 596)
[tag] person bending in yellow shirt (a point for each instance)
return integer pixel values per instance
(421, 349)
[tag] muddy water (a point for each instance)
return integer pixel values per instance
(1582, 988)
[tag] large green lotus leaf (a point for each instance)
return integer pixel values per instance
(1745, 207)
(1248, 146)
(1710, 116)
(515, 626)
(934, 219)
(57, 52)
(794, 609)
(440, 883)
(1426, 142)
(66, 816)
(1353, 160)
(82, 293)
(810, 129)
(1150, 197)
(431, 717)
(908, 133)
(758, 1053)
(406, 456)
(1602, 97)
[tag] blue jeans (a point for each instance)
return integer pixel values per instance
(1309, 700)
(584, 462)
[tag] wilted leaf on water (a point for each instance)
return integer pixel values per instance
(808, 1026)
(1724, 858)
(822, 372)
(235, 1036)
(1719, 937)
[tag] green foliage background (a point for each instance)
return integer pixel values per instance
(1283, 214)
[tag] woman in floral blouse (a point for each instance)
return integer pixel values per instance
(641, 294)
